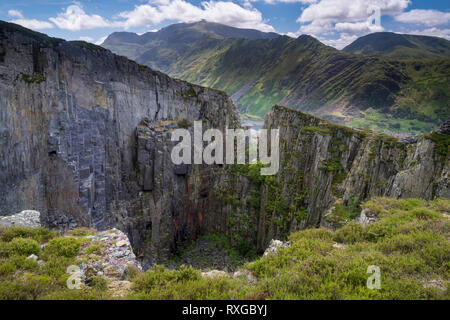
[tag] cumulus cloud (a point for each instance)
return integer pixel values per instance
(28, 23)
(340, 43)
(15, 14)
(435, 32)
(87, 39)
(288, 1)
(429, 18)
(101, 40)
(357, 27)
(350, 16)
(75, 19)
(228, 13)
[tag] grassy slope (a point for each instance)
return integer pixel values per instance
(400, 46)
(305, 74)
(410, 244)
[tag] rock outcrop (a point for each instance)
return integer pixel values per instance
(322, 162)
(70, 144)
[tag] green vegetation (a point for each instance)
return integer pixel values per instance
(332, 164)
(185, 124)
(409, 243)
(343, 214)
(22, 278)
(43, 39)
(88, 45)
(400, 46)
(238, 253)
(314, 129)
(442, 143)
(408, 94)
(377, 121)
(33, 79)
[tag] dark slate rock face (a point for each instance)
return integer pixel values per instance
(69, 114)
(445, 127)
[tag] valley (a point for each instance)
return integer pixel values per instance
(406, 82)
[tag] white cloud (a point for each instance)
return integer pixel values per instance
(75, 19)
(28, 23)
(288, 1)
(357, 27)
(87, 39)
(350, 16)
(435, 32)
(425, 17)
(180, 10)
(101, 40)
(15, 14)
(343, 41)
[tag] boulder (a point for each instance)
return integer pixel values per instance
(274, 246)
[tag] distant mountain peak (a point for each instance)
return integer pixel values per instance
(400, 46)
(190, 31)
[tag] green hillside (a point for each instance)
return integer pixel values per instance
(400, 46)
(259, 70)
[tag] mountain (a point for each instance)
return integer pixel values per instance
(170, 43)
(373, 92)
(400, 46)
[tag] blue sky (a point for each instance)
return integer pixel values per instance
(335, 22)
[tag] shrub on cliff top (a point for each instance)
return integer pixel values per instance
(39, 234)
(64, 246)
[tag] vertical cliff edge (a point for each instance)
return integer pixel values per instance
(69, 118)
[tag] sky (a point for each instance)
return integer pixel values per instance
(334, 22)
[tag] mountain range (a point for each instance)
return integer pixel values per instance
(381, 81)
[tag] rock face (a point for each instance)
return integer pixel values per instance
(322, 162)
(367, 217)
(69, 147)
(445, 127)
(274, 246)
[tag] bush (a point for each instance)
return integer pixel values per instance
(350, 233)
(64, 246)
(23, 246)
(39, 234)
(161, 276)
(99, 283)
(185, 124)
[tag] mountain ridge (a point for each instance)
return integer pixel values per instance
(400, 46)
(360, 90)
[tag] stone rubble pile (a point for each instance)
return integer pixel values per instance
(26, 218)
(445, 127)
(367, 217)
(275, 245)
(114, 263)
